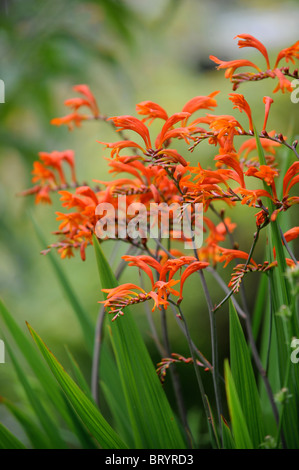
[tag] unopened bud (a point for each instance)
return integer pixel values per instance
(280, 136)
(282, 396)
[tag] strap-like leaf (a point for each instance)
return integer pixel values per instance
(244, 379)
(152, 420)
(8, 440)
(87, 411)
(239, 425)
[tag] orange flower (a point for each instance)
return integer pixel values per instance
(250, 41)
(122, 296)
(118, 146)
(222, 228)
(288, 54)
(151, 110)
(265, 173)
(42, 174)
(290, 178)
(171, 155)
(130, 167)
(246, 40)
(267, 101)
(192, 268)
(228, 255)
(165, 133)
(283, 83)
(70, 120)
(240, 103)
(249, 145)
(42, 196)
(232, 161)
(170, 267)
(291, 234)
(66, 251)
(144, 262)
(47, 178)
(75, 118)
(200, 102)
(232, 65)
(90, 99)
(261, 218)
(55, 159)
(69, 221)
(164, 289)
(225, 124)
(134, 124)
(76, 103)
(251, 196)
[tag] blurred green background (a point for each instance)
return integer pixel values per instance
(126, 51)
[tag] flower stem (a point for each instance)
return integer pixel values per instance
(197, 372)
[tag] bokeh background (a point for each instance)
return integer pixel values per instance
(126, 51)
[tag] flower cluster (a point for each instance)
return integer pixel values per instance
(175, 358)
(150, 169)
(246, 40)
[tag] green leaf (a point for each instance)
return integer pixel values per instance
(228, 441)
(269, 357)
(79, 377)
(214, 432)
(239, 425)
(82, 317)
(107, 363)
(281, 285)
(259, 307)
(30, 354)
(121, 422)
(152, 420)
(8, 440)
(34, 433)
(49, 426)
(86, 410)
(44, 376)
(285, 328)
(244, 379)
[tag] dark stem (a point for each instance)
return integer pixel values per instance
(175, 380)
(251, 340)
(181, 325)
(214, 344)
(196, 369)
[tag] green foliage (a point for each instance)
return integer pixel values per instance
(46, 47)
(145, 399)
(152, 421)
(239, 424)
(244, 380)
